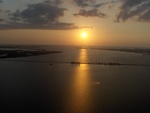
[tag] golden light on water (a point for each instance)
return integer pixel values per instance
(83, 56)
(80, 89)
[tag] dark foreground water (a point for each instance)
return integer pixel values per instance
(31, 87)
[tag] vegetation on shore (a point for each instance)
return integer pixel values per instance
(24, 53)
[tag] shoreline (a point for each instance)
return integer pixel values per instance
(24, 53)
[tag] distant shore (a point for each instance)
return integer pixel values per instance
(131, 50)
(13, 53)
(139, 51)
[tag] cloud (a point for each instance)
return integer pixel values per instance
(43, 15)
(91, 3)
(139, 10)
(99, 5)
(90, 13)
(1, 2)
(91, 8)
(1, 20)
(40, 13)
(57, 2)
(87, 3)
(86, 27)
(52, 26)
(84, 3)
(54, 2)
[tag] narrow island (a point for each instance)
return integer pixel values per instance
(24, 53)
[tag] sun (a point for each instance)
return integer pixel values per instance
(84, 35)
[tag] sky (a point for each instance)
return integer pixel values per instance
(62, 22)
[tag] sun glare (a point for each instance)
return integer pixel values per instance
(84, 35)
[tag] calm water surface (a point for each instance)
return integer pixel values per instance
(30, 87)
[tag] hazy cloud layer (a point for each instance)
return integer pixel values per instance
(137, 9)
(52, 26)
(90, 13)
(43, 15)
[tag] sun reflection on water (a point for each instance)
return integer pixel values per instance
(83, 57)
(80, 89)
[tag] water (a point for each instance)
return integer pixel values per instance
(28, 86)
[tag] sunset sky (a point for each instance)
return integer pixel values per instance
(62, 22)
